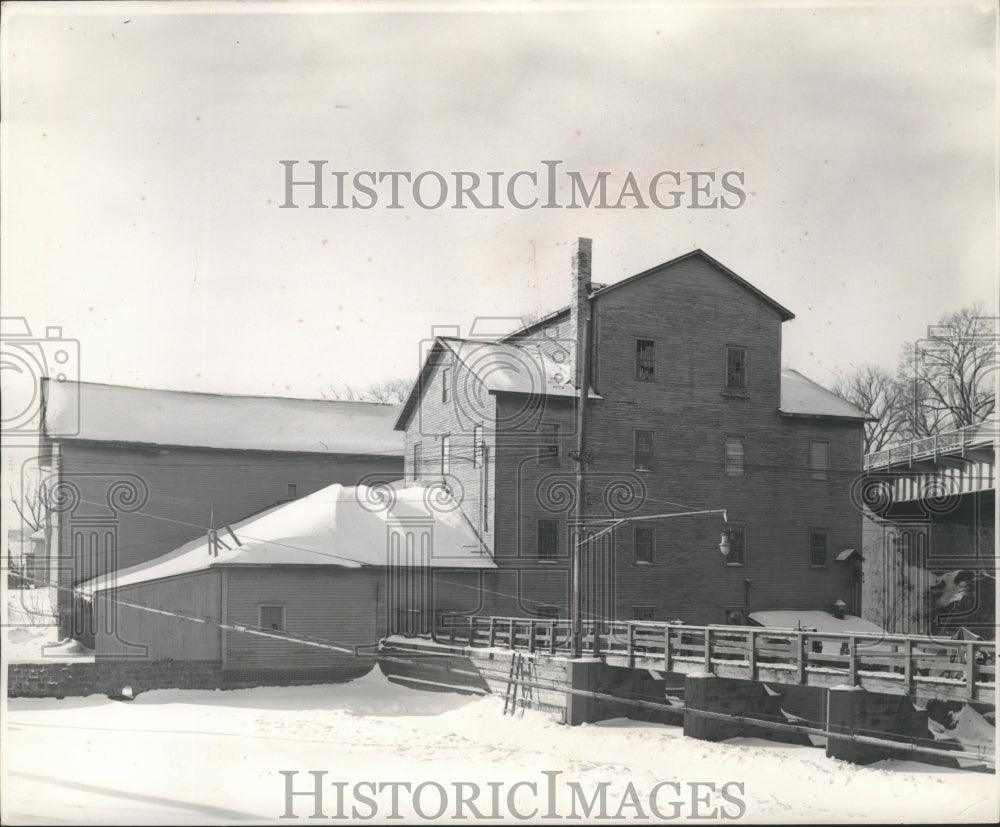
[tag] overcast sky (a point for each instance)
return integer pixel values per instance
(142, 181)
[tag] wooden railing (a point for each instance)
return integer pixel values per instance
(899, 664)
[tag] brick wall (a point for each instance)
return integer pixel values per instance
(693, 311)
(57, 680)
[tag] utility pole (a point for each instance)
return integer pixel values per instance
(580, 312)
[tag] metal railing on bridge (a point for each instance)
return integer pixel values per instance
(958, 442)
(916, 666)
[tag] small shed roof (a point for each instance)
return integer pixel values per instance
(112, 413)
(344, 526)
(815, 619)
(800, 396)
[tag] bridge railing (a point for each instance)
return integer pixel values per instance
(958, 440)
(787, 656)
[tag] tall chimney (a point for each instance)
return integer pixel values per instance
(579, 309)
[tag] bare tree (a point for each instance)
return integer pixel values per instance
(390, 392)
(31, 505)
(950, 375)
(876, 390)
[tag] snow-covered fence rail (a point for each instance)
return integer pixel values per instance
(915, 666)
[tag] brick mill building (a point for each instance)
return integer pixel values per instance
(689, 411)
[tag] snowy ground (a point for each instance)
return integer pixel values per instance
(216, 757)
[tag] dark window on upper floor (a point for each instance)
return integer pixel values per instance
(819, 459)
(736, 368)
(819, 543)
(645, 360)
(548, 539)
(642, 449)
(643, 613)
(292, 490)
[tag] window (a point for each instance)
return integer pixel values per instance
(547, 612)
(819, 541)
(733, 617)
(643, 450)
(445, 455)
(735, 455)
(819, 459)
(645, 360)
(292, 490)
(548, 539)
(548, 445)
(736, 368)
(643, 613)
(272, 618)
(417, 448)
(477, 446)
(643, 543)
(736, 556)
(445, 379)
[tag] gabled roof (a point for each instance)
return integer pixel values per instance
(601, 289)
(343, 526)
(800, 396)
(500, 368)
(112, 413)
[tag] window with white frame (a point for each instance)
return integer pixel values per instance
(735, 456)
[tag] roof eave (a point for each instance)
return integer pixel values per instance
(841, 417)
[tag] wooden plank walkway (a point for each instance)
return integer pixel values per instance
(919, 667)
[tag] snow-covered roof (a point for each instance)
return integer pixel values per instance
(346, 526)
(112, 413)
(801, 396)
(815, 619)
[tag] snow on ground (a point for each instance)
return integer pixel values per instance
(32, 633)
(212, 757)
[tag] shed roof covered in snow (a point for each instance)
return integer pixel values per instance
(112, 413)
(345, 526)
(800, 396)
(815, 619)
